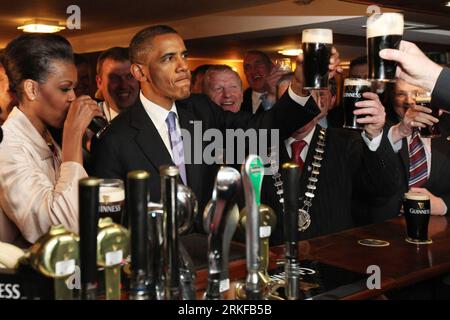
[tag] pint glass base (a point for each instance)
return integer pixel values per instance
(383, 80)
(431, 136)
(353, 127)
(416, 241)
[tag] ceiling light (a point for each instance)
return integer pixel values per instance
(447, 4)
(291, 52)
(41, 26)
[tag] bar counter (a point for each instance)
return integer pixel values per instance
(401, 263)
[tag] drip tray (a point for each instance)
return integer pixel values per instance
(319, 281)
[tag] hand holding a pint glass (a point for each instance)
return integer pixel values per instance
(418, 117)
(81, 112)
(298, 84)
(413, 65)
(370, 113)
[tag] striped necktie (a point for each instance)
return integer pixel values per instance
(176, 144)
(418, 170)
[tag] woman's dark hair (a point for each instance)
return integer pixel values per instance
(30, 56)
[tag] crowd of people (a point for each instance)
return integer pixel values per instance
(149, 95)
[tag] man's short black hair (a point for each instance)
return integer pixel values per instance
(262, 54)
(115, 54)
(142, 41)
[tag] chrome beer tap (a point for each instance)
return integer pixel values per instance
(252, 175)
(221, 218)
(171, 262)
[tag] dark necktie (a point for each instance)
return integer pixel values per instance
(297, 148)
(418, 170)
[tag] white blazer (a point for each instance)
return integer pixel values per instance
(36, 189)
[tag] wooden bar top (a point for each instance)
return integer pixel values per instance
(401, 263)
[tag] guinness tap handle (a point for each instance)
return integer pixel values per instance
(88, 206)
(136, 206)
(290, 173)
(252, 176)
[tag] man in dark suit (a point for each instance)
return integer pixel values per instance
(435, 180)
(147, 135)
(262, 76)
(333, 167)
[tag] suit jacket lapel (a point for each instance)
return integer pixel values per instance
(404, 155)
(439, 153)
(148, 138)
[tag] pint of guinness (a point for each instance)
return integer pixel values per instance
(353, 91)
(111, 200)
(434, 130)
(416, 207)
(384, 31)
(316, 45)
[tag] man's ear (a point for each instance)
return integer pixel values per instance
(98, 81)
(137, 72)
(30, 89)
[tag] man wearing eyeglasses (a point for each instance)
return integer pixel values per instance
(424, 161)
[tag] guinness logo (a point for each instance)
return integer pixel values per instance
(421, 205)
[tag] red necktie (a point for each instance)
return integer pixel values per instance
(418, 170)
(297, 147)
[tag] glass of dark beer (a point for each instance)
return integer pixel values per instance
(416, 207)
(111, 199)
(98, 126)
(353, 92)
(384, 31)
(316, 45)
(434, 130)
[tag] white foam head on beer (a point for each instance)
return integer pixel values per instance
(382, 24)
(317, 36)
(356, 82)
(416, 196)
(423, 99)
(111, 194)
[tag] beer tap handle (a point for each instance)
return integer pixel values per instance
(187, 274)
(225, 190)
(171, 278)
(252, 176)
(136, 204)
(55, 255)
(88, 196)
(112, 247)
(268, 222)
(291, 173)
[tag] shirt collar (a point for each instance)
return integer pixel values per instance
(307, 139)
(157, 113)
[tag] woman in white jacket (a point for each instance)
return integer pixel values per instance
(38, 179)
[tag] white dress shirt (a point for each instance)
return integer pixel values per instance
(256, 100)
(37, 190)
(107, 111)
(158, 115)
